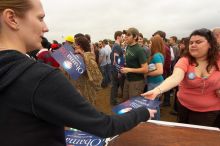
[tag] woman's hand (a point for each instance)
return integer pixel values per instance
(152, 94)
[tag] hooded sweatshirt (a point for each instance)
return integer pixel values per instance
(37, 101)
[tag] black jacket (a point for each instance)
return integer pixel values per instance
(37, 101)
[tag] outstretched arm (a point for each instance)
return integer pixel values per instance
(169, 83)
(57, 102)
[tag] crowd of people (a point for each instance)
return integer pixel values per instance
(146, 64)
(38, 98)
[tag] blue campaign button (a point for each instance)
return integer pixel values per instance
(191, 75)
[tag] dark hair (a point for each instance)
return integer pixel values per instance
(96, 44)
(134, 35)
(161, 34)
(88, 37)
(146, 40)
(79, 35)
(184, 41)
(141, 35)
(45, 43)
(55, 42)
(117, 33)
(105, 41)
(174, 38)
(213, 53)
(83, 43)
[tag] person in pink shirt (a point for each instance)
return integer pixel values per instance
(198, 77)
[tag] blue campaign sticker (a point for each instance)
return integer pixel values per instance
(152, 67)
(119, 61)
(191, 75)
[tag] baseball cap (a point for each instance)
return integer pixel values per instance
(132, 31)
(70, 38)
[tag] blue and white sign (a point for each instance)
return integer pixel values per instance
(79, 138)
(72, 63)
(119, 63)
(135, 102)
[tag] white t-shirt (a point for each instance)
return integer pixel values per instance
(103, 54)
(108, 52)
(172, 54)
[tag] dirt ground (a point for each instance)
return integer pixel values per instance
(103, 105)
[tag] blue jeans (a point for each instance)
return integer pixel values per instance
(116, 83)
(150, 87)
(104, 74)
(108, 71)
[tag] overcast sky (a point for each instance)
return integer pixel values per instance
(101, 18)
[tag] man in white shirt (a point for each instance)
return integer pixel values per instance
(103, 63)
(108, 51)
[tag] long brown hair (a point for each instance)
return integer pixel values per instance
(157, 45)
(213, 53)
(19, 6)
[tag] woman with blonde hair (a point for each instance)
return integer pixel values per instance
(36, 100)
